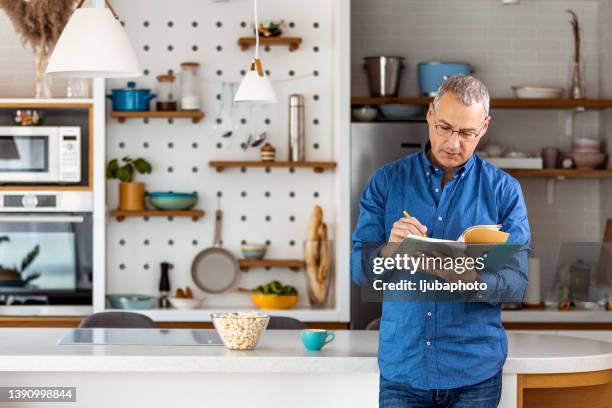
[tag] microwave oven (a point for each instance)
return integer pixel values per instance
(41, 154)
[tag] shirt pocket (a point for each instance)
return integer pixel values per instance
(387, 330)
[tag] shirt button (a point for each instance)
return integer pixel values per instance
(428, 313)
(439, 218)
(462, 174)
(427, 174)
(428, 343)
(437, 190)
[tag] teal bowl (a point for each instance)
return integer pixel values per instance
(131, 301)
(173, 201)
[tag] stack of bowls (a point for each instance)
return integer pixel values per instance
(587, 153)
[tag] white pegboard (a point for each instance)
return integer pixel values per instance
(259, 206)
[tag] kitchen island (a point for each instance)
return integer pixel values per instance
(278, 372)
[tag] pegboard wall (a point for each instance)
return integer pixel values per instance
(259, 205)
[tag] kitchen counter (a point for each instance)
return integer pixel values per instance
(551, 315)
(279, 351)
(344, 373)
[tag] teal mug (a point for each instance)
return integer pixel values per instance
(315, 339)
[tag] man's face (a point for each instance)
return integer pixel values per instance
(454, 150)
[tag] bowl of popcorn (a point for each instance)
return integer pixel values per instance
(240, 330)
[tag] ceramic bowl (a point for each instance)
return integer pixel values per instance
(365, 113)
(585, 145)
(253, 251)
(131, 301)
(274, 302)
(544, 92)
(173, 201)
(588, 161)
(396, 111)
(185, 303)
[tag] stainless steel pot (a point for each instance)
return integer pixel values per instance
(384, 73)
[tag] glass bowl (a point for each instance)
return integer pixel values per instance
(240, 330)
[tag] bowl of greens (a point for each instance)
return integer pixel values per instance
(274, 296)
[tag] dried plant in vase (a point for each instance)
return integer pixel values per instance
(39, 23)
(577, 85)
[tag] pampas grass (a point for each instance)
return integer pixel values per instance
(39, 23)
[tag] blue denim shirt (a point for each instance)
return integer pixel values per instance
(442, 345)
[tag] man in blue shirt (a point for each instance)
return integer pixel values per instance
(433, 353)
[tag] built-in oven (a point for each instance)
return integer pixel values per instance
(40, 155)
(46, 248)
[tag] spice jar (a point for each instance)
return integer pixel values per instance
(166, 97)
(268, 152)
(190, 95)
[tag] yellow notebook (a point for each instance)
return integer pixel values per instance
(484, 234)
(478, 234)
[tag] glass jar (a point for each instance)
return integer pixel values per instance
(190, 95)
(78, 88)
(166, 97)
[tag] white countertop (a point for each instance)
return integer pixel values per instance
(555, 316)
(36, 350)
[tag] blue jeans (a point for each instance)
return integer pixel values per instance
(485, 394)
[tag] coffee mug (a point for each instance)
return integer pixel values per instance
(315, 339)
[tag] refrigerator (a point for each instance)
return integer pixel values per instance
(372, 145)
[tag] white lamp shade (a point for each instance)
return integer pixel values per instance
(93, 45)
(255, 89)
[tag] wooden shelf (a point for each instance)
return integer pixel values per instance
(292, 42)
(195, 116)
(294, 264)
(504, 103)
(319, 167)
(121, 215)
(560, 173)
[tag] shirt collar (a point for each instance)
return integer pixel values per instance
(430, 168)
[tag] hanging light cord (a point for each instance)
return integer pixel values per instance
(110, 7)
(256, 30)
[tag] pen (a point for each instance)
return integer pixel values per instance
(408, 216)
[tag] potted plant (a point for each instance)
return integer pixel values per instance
(131, 194)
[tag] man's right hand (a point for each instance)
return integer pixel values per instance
(406, 226)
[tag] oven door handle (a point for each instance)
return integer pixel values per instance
(42, 218)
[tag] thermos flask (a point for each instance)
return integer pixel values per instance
(297, 151)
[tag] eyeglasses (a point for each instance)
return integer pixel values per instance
(446, 131)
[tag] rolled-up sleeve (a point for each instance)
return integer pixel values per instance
(370, 229)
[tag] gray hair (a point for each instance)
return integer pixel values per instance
(468, 89)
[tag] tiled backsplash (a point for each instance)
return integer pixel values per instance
(528, 43)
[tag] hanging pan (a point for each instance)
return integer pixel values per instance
(215, 269)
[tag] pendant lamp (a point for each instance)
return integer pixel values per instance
(255, 86)
(94, 45)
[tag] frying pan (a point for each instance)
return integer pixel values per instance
(215, 269)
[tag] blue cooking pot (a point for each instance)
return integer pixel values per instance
(432, 74)
(131, 99)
